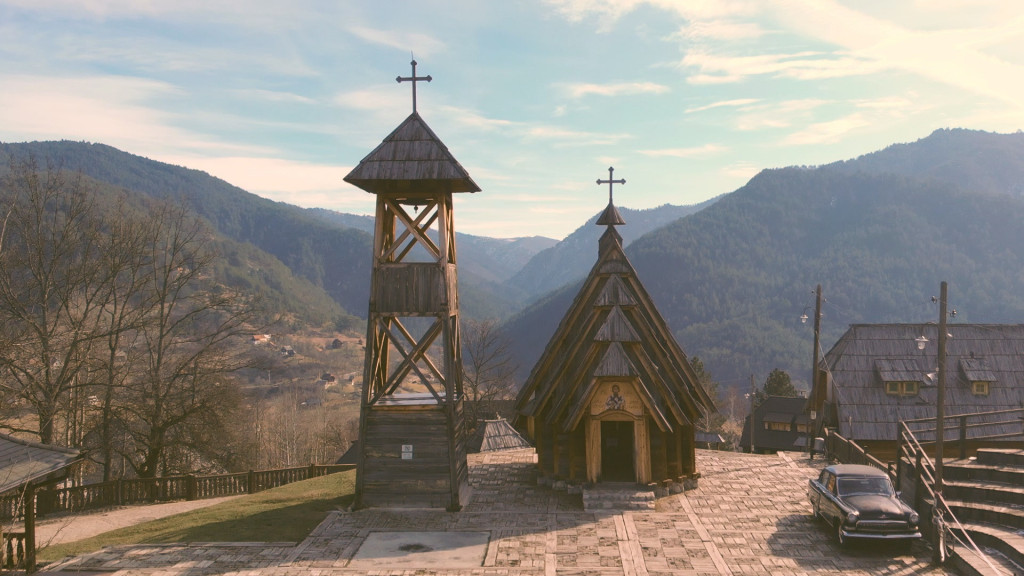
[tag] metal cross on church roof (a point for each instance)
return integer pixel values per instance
(610, 182)
(414, 79)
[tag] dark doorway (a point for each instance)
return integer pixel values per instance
(617, 451)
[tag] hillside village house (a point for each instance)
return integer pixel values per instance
(877, 376)
(780, 425)
(613, 397)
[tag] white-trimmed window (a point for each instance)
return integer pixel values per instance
(980, 388)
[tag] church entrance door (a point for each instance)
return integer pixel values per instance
(617, 451)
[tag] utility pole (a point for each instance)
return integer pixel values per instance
(753, 395)
(940, 401)
(939, 546)
(817, 395)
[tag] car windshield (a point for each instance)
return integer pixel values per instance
(865, 485)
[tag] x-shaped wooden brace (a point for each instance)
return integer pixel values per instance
(410, 359)
(417, 227)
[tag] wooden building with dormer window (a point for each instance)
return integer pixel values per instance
(613, 397)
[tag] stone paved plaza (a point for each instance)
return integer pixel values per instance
(749, 516)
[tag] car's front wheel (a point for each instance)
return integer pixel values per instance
(840, 537)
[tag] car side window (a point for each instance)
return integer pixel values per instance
(830, 484)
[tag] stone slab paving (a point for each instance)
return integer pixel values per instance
(749, 516)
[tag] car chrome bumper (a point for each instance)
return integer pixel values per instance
(880, 535)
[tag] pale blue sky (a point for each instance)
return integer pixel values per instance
(536, 98)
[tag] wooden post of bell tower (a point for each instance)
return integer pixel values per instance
(411, 431)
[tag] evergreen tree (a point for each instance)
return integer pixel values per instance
(777, 384)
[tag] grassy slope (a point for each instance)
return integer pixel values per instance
(285, 514)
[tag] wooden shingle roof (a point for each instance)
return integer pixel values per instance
(411, 158)
(868, 355)
(495, 435)
(22, 461)
(612, 329)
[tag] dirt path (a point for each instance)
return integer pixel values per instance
(71, 528)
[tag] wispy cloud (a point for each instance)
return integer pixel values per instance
(827, 132)
(420, 44)
(720, 30)
(692, 152)
(380, 99)
(274, 96)
(736, 103)
(565, 136)
(110, 109)
(717, 69)
(777, 114)
(474, 119)
(621, 89)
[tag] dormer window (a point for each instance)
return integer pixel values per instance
(899, 376)
(976, 371)
(902, 388)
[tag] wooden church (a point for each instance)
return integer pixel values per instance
(613, 397)
(412, 448)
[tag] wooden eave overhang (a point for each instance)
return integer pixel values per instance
(23, 462)
(411, 161)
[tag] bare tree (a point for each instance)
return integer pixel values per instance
(118, 352)
(51, 290)
(489, 371)
(191, 341)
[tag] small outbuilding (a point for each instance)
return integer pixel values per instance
(24, 467)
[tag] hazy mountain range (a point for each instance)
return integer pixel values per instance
(731, 276)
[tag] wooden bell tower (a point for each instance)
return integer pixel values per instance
(411, 431)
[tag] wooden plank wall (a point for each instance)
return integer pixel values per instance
(410, 289)
(423, 481)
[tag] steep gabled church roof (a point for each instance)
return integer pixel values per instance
(612, 329)
(411, 158)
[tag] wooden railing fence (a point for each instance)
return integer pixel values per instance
(147, 490)
(849, 452)
(12, 550)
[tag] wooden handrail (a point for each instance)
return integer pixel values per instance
(144, 490)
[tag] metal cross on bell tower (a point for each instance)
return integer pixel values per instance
(414, 79)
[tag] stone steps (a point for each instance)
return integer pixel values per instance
(1001, 457)
(1004, 548)
(986, 494)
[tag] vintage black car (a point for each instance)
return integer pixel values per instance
(860, 502)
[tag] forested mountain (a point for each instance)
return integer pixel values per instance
(333, 258)
(879, 232)
(733, 279)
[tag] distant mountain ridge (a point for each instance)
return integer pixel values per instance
(571, 259)
(733, 279)
(329, 250)
(731, 276)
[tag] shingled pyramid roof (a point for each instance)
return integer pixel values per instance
(411, 159)
(495, 435)
(612, 329)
